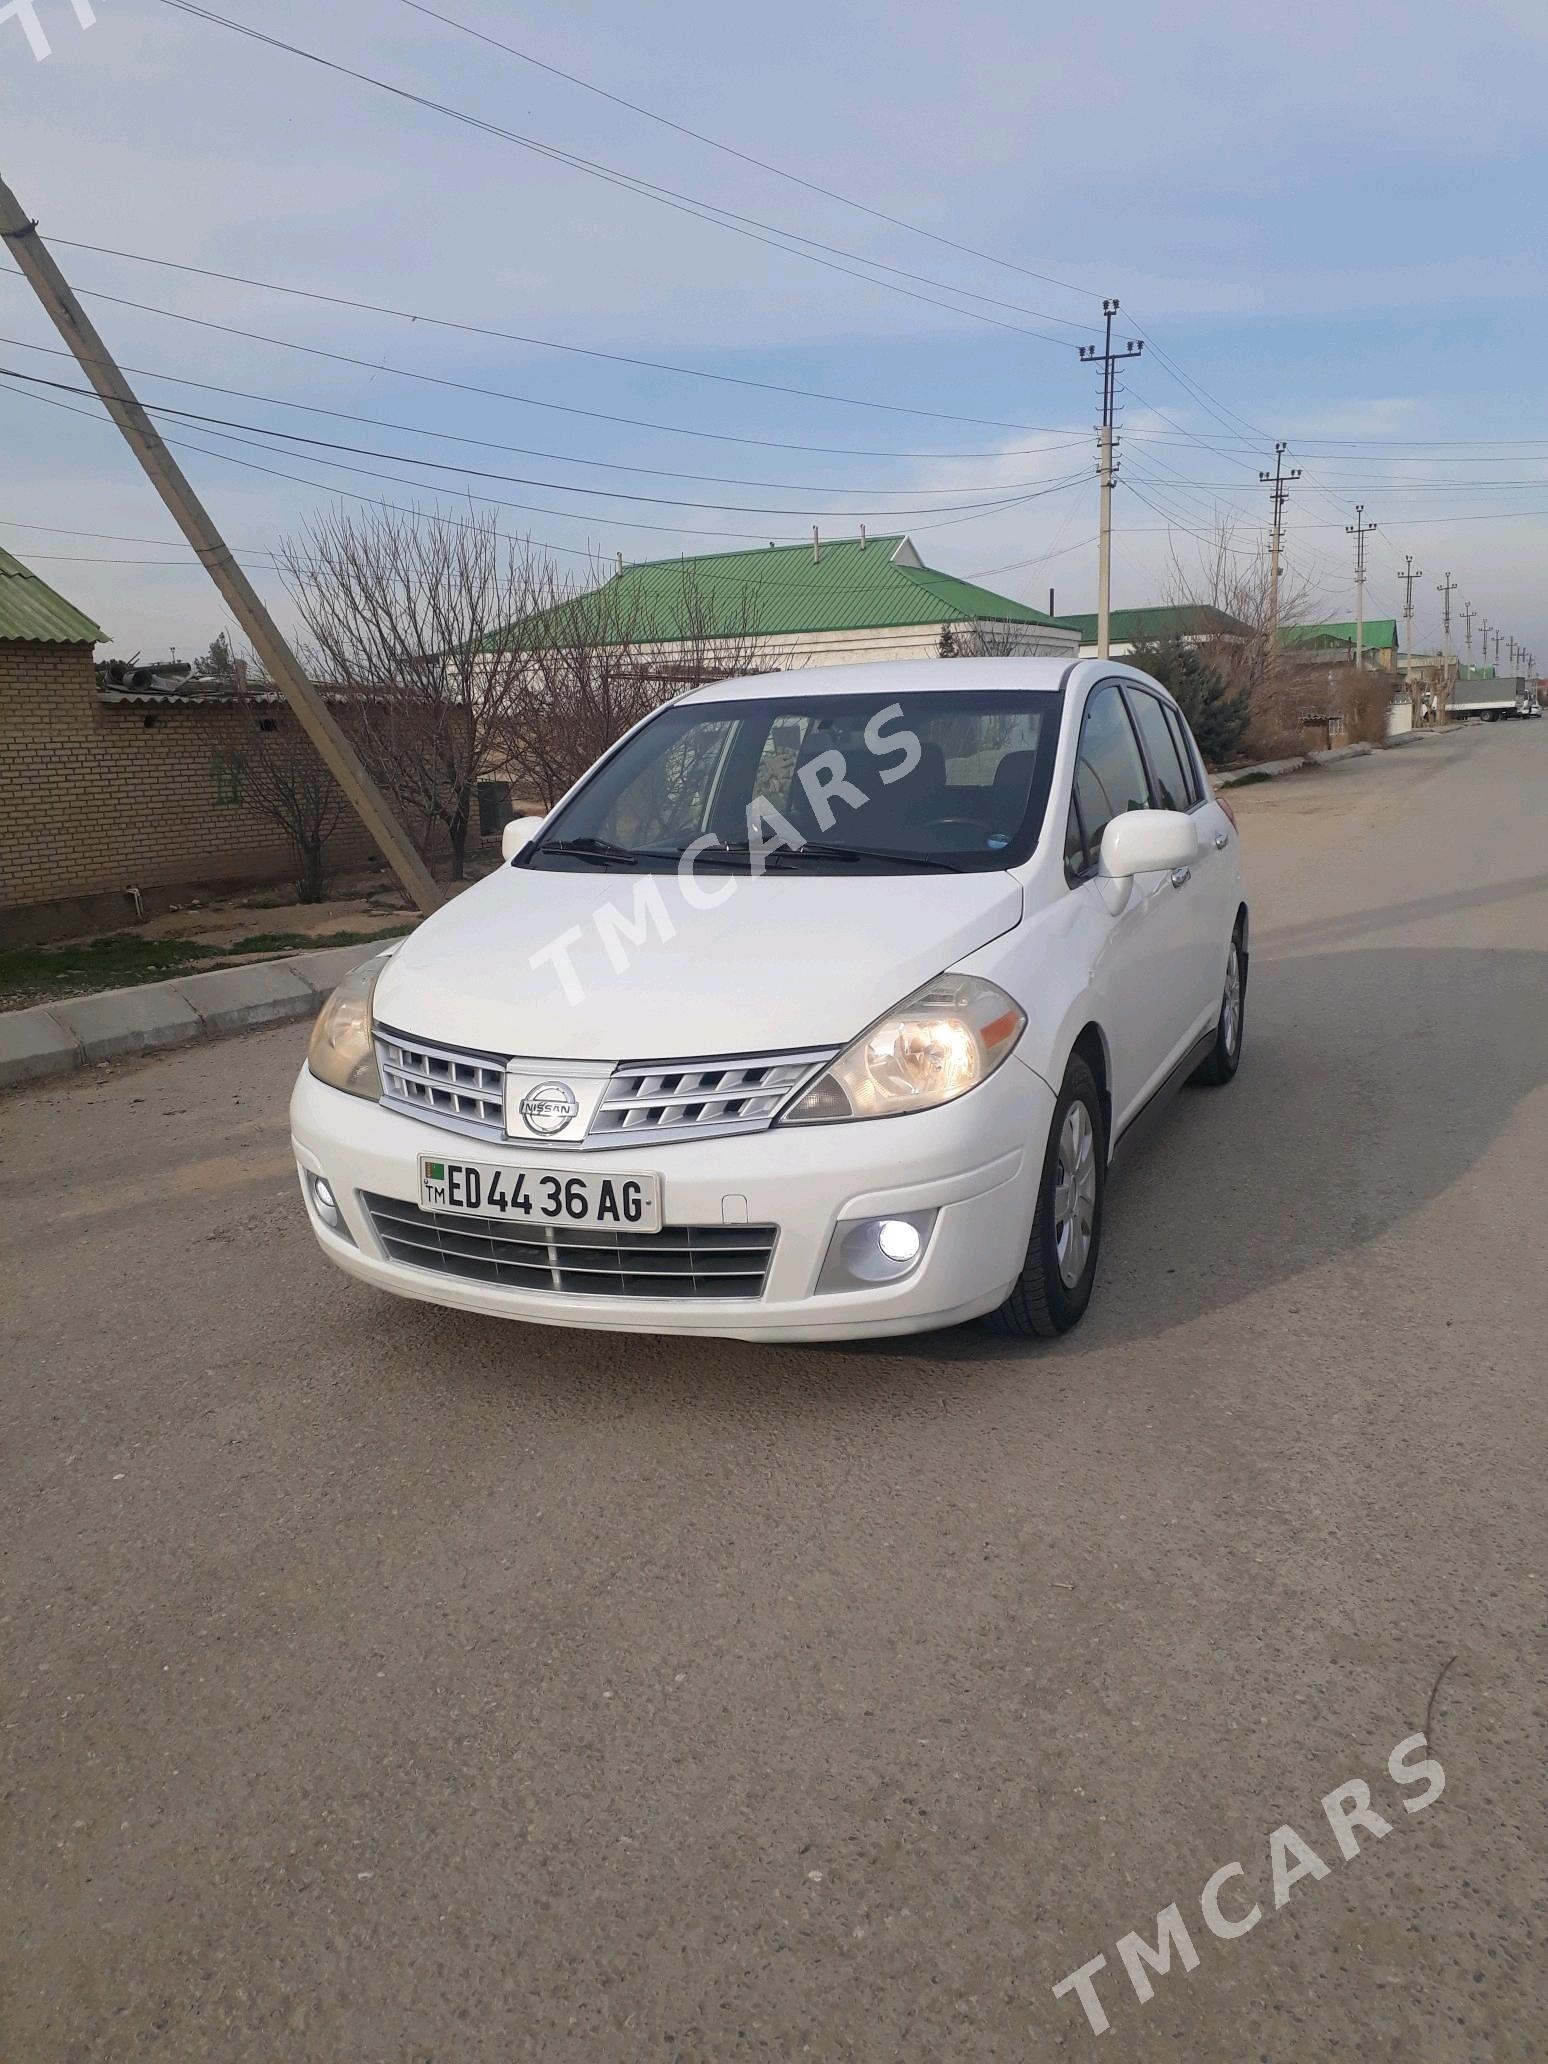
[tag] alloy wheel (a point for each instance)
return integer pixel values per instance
(1075, 1191)
(1231, 1008)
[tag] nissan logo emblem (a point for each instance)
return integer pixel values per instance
(548, 1108)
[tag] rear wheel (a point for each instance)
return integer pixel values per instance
(1225, 1056)
(1054, 1287)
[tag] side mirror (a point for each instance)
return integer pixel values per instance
(518, 833)
(1147, 842)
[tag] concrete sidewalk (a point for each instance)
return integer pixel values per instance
(115, 1024)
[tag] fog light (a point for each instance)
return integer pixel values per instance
(870, 1251)
(899, 1240)
(325, 1204)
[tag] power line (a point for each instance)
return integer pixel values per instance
(496, 502)
(526, 451)
(545, 344)
(762, 164)
(111, 537)
(1172, 521)
(1018, 565)
(748, 226)
(108, 559)
(201, 420)
(423, 319)
(593, 554)
(1398, 487)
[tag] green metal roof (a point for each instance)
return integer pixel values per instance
(1168, 620)
(786, 591)
(1380, 631)
(30, 610)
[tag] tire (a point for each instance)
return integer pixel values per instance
(1043, 1304)
(1220, 1064)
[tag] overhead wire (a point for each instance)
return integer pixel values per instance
(747, 158)
(491, 501)
(532, 401)
(748, 226)
(525, 451)
(205, 421)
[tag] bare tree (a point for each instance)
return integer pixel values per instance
(592, 661)
(985, 639)
(1239, 635)
(1228, 579)
(411, 619)
(284, 777)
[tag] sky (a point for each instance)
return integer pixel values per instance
(1325, 224)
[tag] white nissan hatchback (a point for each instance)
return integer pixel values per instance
(816, 1010)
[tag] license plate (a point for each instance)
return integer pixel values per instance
(485, 1189)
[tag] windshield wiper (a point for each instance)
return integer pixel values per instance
(814, 849)
(600, 852)
(738, 853)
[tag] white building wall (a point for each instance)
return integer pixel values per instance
(853, 648)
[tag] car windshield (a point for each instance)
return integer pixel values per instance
(840, 784)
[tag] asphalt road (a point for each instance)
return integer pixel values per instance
(387, 1685)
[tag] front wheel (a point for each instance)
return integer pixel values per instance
(1054, 1287)
(1225, 1056)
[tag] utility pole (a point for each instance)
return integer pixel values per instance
(1443, 589)
(1107, 471)
(1280, 494)
(1359, 530)
(1467, 611)
(1497, 636)
(21, 238)
(1408, 577)
(1484, 622)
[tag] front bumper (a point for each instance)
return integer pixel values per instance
(975, 1163)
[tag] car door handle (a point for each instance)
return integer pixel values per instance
(1222, 840)
(1181, 876)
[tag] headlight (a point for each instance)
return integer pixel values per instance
(939, 1043)
(342, 1050)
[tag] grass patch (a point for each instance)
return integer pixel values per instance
(39, 974)
(1249, 781)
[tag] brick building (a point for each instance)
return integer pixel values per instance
(108, 790)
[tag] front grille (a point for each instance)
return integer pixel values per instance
(742, 1094)
(462, 1090)
(680, 1261)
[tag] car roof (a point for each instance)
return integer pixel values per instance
(891, 676)
(899, 676)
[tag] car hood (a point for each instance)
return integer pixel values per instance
(784, 961)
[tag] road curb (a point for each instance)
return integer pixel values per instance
(58, 1039)
(1271, 770)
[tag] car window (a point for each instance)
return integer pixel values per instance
(1074, 842)
(924, 777)
(669, 796)
(1109, 773)
(1169, 783)
(1187, 751)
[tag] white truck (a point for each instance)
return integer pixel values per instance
(1489, 695)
